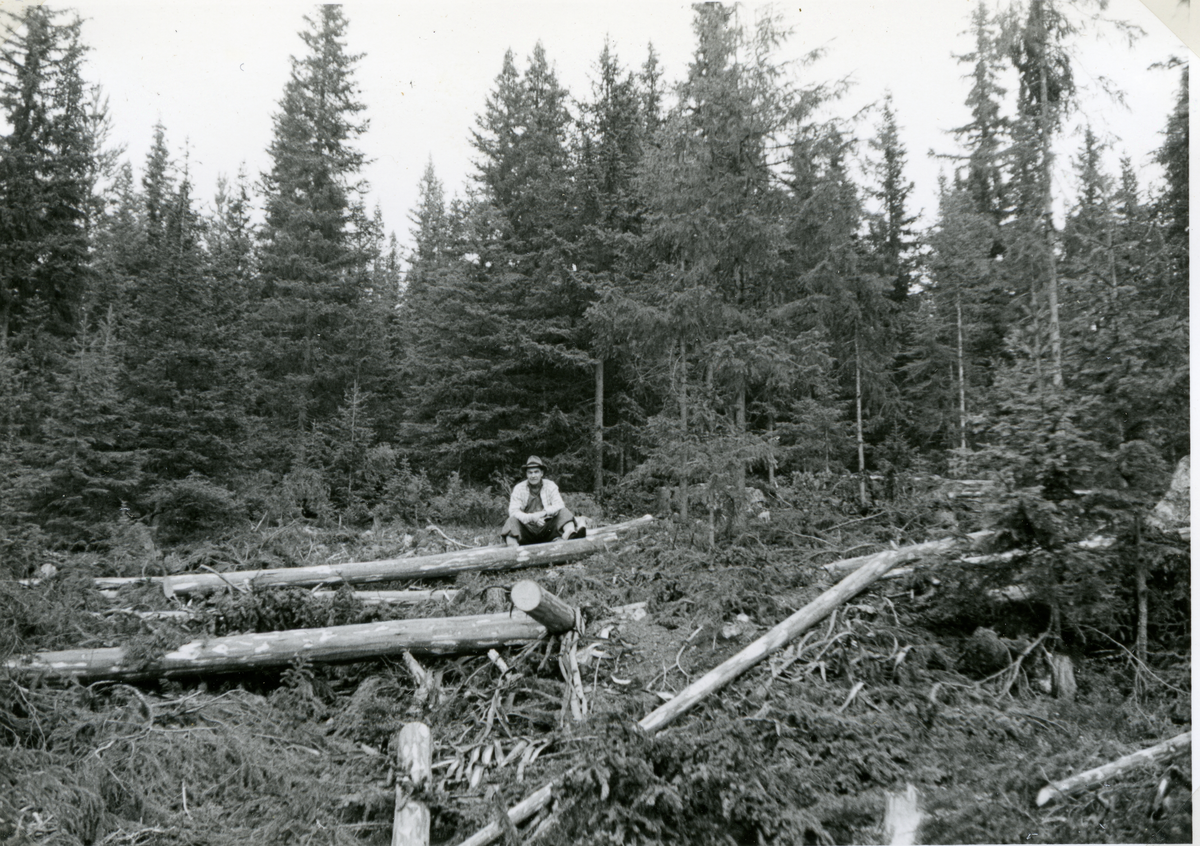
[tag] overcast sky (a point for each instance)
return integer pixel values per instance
(213, 73)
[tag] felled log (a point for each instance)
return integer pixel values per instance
(393, 569)
(396, 597)
(906, 553)
(235, 653)
(366, 597)
(865, 572)
(1091, 778)
(543, 606)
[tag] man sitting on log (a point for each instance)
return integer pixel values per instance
(536, 511)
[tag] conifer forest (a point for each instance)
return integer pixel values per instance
(698, 295)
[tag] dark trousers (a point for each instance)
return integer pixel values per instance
(550, 530)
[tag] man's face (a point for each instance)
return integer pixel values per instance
(533, 475)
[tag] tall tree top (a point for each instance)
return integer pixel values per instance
(313, 190)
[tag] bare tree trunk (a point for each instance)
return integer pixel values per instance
(1142, 593)
(858, 419)
(598, 430)
(1056, 371)
(683, 429)
(739, 482)
(962, 376)
(771, 450)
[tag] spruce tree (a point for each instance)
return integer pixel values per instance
(614, 130)
(714, 226)
(1171, 207)
(310, 258)
(498, 351)
(183, 374)
(45, 169)
(891, 234)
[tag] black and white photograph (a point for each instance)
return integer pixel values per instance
(551, 423)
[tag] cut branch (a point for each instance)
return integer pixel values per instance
(1091, 778)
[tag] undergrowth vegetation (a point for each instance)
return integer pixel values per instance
(940, 677)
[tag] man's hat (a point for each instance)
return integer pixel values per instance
(534, 461)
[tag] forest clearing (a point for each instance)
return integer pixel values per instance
(871, 527)
(933, 681)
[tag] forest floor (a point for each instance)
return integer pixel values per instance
(804, 748)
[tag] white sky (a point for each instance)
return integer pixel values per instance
(213, 73)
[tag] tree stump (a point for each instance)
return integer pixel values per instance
(1062, 676)
(414, 751)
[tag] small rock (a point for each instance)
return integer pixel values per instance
(736, 628)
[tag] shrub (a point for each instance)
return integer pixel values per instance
(406, 495)
(463, 505)
(302, 493)
(188, 508)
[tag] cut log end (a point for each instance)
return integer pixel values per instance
(552, 612)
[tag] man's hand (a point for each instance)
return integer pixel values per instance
(536, 519)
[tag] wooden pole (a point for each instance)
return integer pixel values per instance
(414, 753)
(552, 612)
(432, 636)
(393, 569)
(1086, 780)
